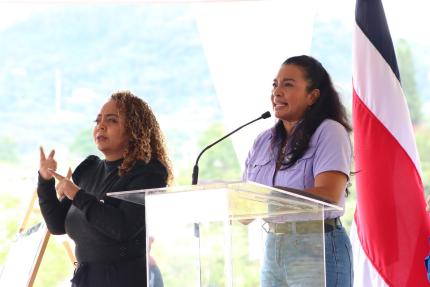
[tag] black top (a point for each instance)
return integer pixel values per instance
(104, 229)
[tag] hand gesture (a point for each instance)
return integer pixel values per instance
(47, 163)
(65, 186)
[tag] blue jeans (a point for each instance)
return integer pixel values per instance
(290, 260)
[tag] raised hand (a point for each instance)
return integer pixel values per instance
(65, 186)
(60, 193)
(47, 163)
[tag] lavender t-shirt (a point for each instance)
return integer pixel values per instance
(329, 150)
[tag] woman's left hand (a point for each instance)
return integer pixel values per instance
(65, 186)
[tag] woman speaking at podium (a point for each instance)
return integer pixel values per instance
(308, 149)
(109, 234)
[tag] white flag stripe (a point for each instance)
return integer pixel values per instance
(379, 89)
(368, 276)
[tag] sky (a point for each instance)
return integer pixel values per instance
(407, 19)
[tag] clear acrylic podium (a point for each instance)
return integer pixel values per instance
(214, 234)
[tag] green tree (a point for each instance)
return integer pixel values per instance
(8, 150)
(220, 162)
(56, 267)
(422, 134)
(8, 205)
(83, 145)
(409, 84)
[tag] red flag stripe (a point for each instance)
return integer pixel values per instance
(390, 217)
(365, 274)
(391, 224)
(380, 90)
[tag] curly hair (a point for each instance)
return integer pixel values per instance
(146, 141)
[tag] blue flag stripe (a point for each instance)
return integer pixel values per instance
(370, 17)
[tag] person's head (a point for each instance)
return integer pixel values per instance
(303, 89)
(127, 128)
(303, 93)
(291, 95)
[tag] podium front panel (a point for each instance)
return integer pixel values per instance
(215, 234)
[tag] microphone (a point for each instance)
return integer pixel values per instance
(196, 166)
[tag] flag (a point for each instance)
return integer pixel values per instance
(390, 228)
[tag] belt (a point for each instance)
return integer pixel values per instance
(304, 227)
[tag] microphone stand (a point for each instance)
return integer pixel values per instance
(195, 176)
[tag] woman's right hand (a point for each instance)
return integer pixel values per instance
(45, 163)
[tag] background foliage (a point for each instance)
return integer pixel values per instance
(59, 65)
